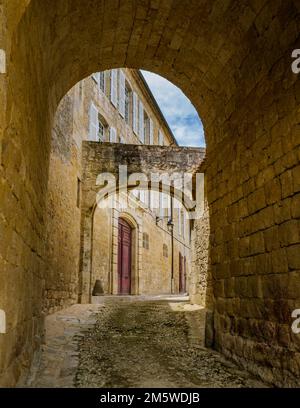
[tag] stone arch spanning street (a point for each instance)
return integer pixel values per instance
(143, 161)
(233, 61)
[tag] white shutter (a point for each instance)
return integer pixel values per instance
(145, 197)
(96, 77)
(153, 199)
(112, 135)
(134, 113)
(141, 122)
(102, 81)
(122, 93)
(150, 131)
(166, 203)
(114, 87)
(160, 138)
(161, 207)
(94, 123)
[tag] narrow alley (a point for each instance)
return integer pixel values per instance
(132, 342)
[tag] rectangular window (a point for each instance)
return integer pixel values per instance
(102, 81)
(161, 206)
(146, 128)
(165, 250)
(166, 207)
(153, 199)
(141, 122)
(127, 105)
(151, 139)
(134, 113)
(101, 132)
(94, 124)
(113, 135)
(122, 93)
(78, 192)
(114, 87)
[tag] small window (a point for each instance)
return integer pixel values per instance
(114, 87)
(113, 135)
(102, 81)
(145, 240)
(78, 192)
(165, 250)
(146, 128)
(128, 103)
(101, 132)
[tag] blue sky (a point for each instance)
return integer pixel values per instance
(177, 109)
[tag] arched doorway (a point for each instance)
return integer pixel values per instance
(124, 257)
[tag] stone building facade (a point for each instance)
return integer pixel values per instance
(114, 106)
(233, 60)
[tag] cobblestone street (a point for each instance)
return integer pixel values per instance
(132, 342)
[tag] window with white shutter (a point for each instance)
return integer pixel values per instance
(151, 139)
(161, 207)
(134, 113)
(102, 81)
(114, 87)
(166, 204)
(153, 199)
(141, 122)
(122, 93)
(112, 135)
(96, 77)
(94, 124)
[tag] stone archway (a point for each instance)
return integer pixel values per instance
(230, 64)
(145, 160)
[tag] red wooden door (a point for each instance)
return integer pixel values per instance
(124, 258)
(182, 274)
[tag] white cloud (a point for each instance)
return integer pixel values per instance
(179, 112)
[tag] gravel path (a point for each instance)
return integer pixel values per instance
(152, 343)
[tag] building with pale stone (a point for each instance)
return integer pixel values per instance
(233, 60)
(140, 245)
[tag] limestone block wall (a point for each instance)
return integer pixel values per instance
(200, 277)
(253, 194)
(151, 270)
(233, 60)
(63, 210)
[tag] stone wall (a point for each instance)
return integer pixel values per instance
(63, 211)
(200, 278)
(233, 60)
(152, 272)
